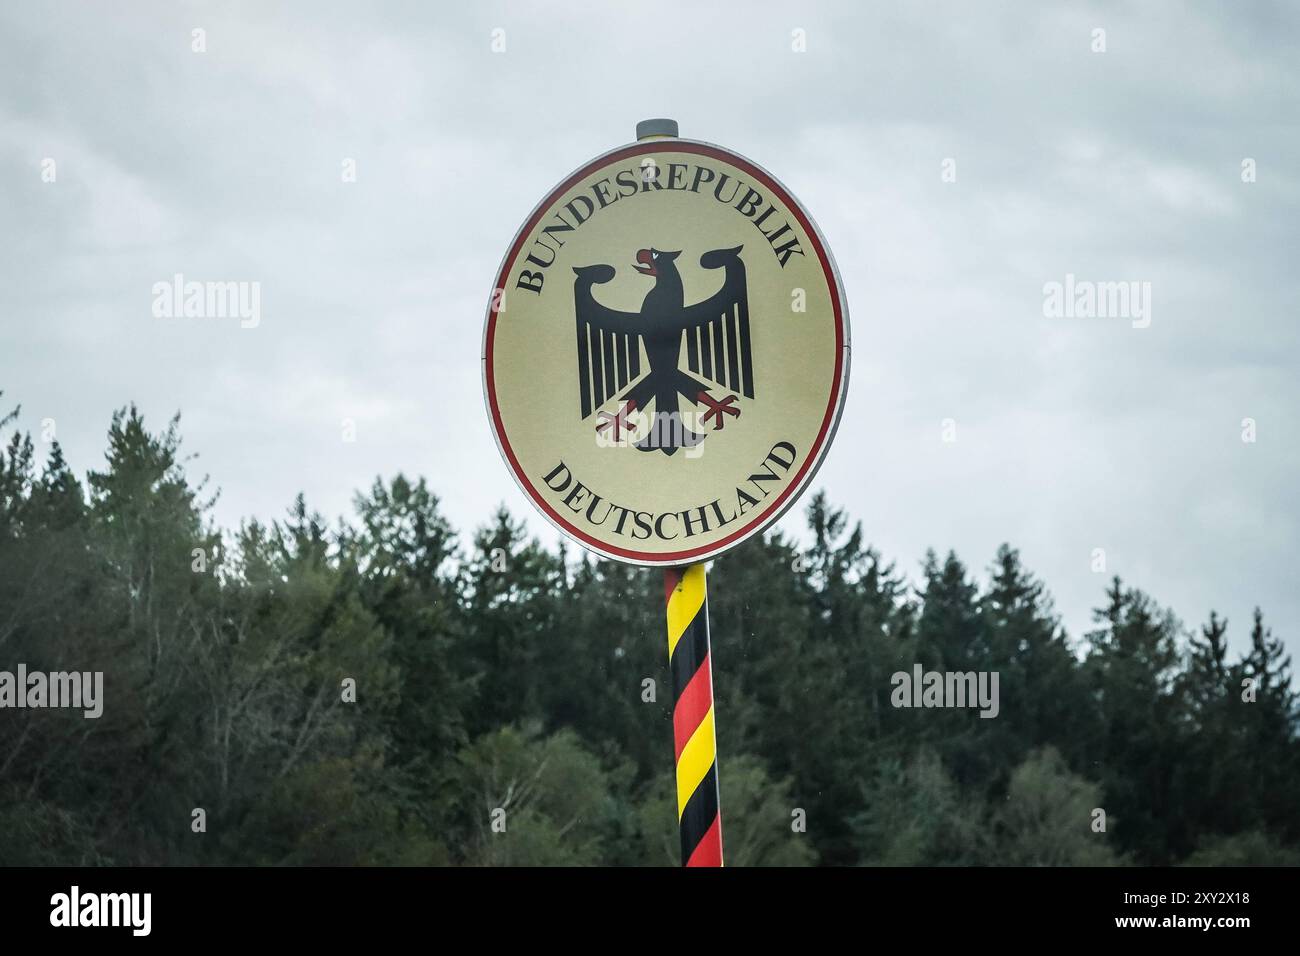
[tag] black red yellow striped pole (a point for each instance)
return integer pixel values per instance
(699, 815)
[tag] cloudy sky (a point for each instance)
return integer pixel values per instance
(1072, 434)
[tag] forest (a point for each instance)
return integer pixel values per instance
(385, 689)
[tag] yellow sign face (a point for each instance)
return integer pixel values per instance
(666, 352)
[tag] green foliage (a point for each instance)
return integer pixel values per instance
(328, 814)
(383, 691)
(1253, 848)
(34, 833)
(916, 815)
(534, 800)
(1046, 819)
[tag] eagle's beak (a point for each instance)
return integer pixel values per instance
(647, 267)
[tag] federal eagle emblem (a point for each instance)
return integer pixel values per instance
(715, 333)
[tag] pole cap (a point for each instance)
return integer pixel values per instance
(656, 128)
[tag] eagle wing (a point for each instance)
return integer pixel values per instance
(717, 329)
(609, 341)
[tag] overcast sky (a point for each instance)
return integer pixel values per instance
(1071, 433)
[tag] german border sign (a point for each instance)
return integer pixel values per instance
(665, 358)
(666, 353)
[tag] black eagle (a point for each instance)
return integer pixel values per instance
(716, 334)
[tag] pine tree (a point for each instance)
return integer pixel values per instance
(1271, 732)
(403, 557)
(1215, 796)
(513, 597)
(1043, 701)
(951, 636)
(1131, 667)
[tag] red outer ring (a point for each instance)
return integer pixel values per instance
(775, 509)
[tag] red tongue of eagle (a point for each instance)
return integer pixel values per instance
(647, 260)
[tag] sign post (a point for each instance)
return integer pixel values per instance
(665, 360)
(699, 816)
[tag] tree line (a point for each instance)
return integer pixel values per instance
(384, 690)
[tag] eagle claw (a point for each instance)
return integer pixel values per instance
(617, 422)
(718, 410)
